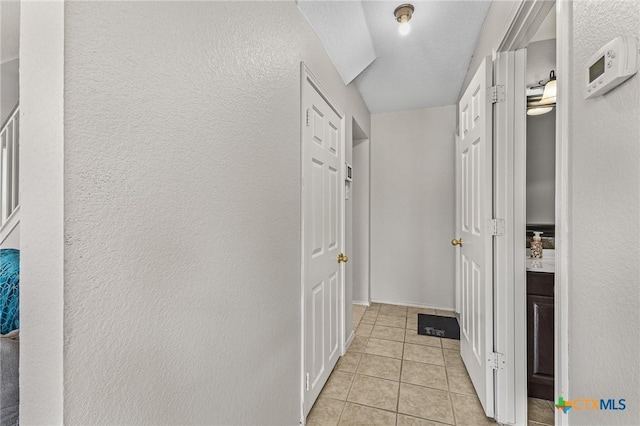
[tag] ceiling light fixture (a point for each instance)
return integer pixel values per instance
(538, 110)
(403, 15)
(541, 98)
(549, 95)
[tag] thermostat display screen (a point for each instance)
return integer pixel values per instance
(596, 70)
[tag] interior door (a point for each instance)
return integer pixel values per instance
(322, 239)
(475, 201)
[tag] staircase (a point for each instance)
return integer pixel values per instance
(9, 172)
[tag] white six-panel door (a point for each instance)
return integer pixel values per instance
(322, 240)
(474, 201)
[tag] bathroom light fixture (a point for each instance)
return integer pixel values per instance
(541, 97)
(549, 95)
(538, 110)
(403, 15)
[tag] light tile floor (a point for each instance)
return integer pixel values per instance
(392, 376)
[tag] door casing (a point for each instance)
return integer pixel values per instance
(510, 204)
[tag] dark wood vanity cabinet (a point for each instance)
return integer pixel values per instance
(540, 332)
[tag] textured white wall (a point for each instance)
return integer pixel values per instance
(541, 139)
(42, 214)
(604, 270)
(541, 168)
(9, 30)
(361, 212)
(541, 59)
(413, 207)
(182, 210)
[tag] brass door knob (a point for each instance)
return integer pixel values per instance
(457, 242)
(342, 258)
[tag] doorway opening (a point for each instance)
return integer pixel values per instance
(540, 219)
(359, 195)
(514, 142)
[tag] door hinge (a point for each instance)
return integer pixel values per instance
(496, 227)
(497, 361)
(307, 381)
(308, 117)
(496, 94)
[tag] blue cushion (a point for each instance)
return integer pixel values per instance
(9, 290)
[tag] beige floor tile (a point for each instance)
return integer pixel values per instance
(349, 362)
(374, 307)
(540, 412)
(369, 317)
(426, 403)
(445, 313)
(380, 366)
(394, 310)
(468, 411)
(530, 423)
(374, 392)
(451, 344)
(359, 344)
(414, 421)
(364, 330)
(325, 411)
(431, 376)
(421, 353)
(452, 358)
(391, 321)
(412, 336)
(412, 324)
(388, 333)
(416, 311)
(354, 414)
(338, 385)
(459, 381)
(384, 348)
(359, 309)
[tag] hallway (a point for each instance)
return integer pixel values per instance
(393, 376)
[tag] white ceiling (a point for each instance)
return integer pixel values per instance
(342, 29)
(424, 69)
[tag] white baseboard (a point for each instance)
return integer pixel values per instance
(357, 302)
(349, 340)
(414, 305)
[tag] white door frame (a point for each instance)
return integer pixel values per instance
(458, 183)
(510, 204)
(307, 75)
(564, 18)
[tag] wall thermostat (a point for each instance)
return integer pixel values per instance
(615, 62)
(348, 172)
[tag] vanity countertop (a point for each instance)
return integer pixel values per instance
(546, 264)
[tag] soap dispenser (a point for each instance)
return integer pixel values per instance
(536, 245)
